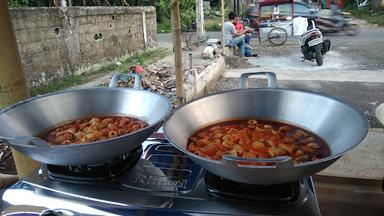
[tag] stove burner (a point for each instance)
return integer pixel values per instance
(95, 173)
(266, 194)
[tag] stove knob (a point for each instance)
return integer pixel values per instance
(56, 212)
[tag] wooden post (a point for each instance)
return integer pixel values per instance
(56, 3)
(222, 28)
(12, 81)
(176, 29)
(258, 23)
(200, 20)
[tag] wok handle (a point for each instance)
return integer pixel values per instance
(280, 161)
(124, 76)
(271, 77)
(25, 141)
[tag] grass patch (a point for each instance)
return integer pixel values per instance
(143, 58)
(57, 84)
(212, 25)
(365, 14)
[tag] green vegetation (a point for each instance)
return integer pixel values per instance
(372, 13)
(163, 11)
(143, 58)
(373, 17)
(51, 3)
(213, 19)
(213, 27)
(164, 27)
(58, 84)
(212, 23)
(17, 3)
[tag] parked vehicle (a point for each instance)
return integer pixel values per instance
(301, 9)
(312, 45)
(362, 3)
(327, 23)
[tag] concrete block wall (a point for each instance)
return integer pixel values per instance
(54, 42)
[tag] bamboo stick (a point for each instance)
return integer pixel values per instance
(12, 80)
(222, 28)
(176, 29)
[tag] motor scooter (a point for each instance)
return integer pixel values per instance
(328, 24)
(312, 45)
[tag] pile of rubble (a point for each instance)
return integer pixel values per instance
(161, 78)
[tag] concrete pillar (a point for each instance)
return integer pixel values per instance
(71, 39)
(200, 19)
(63, 3)
(144, 24)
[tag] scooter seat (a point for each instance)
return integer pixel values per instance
(309, 31)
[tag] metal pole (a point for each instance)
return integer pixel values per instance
(190, 61)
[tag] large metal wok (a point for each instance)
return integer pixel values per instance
(338, 123)
(20, 122)
(379, 114)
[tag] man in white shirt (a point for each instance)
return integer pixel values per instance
(234, 38)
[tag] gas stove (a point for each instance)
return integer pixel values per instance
(155, 180)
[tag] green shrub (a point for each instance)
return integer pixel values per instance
(373, 17)
(164, 26)
(61, 83)
(212, 27)
(187, 18)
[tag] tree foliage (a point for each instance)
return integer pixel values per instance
(159, 4)
(163, 10)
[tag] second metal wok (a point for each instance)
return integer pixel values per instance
(20, 122)
(379, 113)
(336, 122)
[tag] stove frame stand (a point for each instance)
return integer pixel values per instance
(163, 182)
(107, 171)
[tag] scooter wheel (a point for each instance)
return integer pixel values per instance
(277, 36)
(352, 29)
(319, 58)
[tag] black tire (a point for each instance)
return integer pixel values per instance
(352, 29)
(277, 36)
(319, 58)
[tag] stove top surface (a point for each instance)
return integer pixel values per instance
(162, 182)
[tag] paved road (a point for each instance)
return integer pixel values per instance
(353, 70)
(363, 95)
(364, 51)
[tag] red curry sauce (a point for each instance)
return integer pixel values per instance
(251, 138)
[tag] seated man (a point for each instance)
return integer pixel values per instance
(232, 37)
